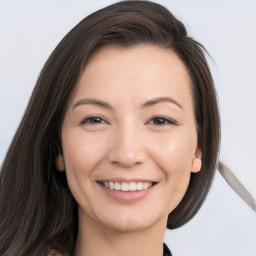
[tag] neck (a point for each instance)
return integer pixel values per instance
(96, 240)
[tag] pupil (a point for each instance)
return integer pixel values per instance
(96, 120)
(159, 121)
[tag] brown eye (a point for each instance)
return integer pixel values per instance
(162, 121)
(94, 120)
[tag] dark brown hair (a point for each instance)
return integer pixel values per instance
(36, 206)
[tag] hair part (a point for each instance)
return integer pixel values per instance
(36, 206)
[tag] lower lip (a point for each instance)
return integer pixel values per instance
(130, 196)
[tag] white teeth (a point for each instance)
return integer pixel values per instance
(117, 186)
(106, 184)
(111, 185)
(132, 186)
(125, 186)
(139, 185)
(145, 185)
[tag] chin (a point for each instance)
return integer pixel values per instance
(130, 226)
(128, 223)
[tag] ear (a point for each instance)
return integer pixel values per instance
(197, 161)
(60, 165)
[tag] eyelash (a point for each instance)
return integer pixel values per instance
(89, 120)
(163, 120)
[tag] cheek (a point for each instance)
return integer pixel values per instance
(82, 151)
(174, 153)
(176, 164)
(174, 156)
(81, 155)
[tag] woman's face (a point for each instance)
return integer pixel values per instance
(129, 137)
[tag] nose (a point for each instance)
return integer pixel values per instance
(127, 148)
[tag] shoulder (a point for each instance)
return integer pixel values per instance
(53, 252)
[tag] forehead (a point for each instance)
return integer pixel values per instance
(142, 70)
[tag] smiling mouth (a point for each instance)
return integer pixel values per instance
(127, 186)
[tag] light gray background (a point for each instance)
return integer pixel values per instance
(29, 31)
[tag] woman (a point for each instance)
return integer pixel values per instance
(119, 140)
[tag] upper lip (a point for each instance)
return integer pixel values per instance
(119, 179)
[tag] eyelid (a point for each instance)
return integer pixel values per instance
(170, 121)
(84, 121)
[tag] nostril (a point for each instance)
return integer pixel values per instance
(125, 160)
(125, 151)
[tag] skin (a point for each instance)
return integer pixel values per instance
(130, 140)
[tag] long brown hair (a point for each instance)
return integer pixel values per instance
(37, 208)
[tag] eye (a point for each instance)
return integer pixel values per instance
(94, 120)
(161, 121)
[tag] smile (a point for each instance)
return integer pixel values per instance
(127, 191)
(127, 186)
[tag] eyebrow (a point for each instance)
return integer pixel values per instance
(91, 101)
(160, 100)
